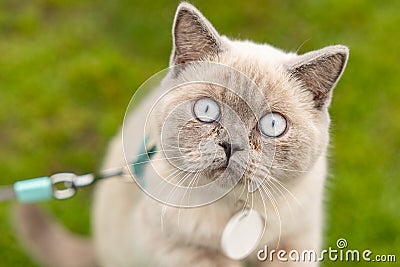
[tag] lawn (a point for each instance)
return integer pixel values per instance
(69, 68)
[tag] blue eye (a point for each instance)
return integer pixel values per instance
(272, 124)
(206, 110)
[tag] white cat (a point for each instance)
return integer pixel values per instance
(132, 229)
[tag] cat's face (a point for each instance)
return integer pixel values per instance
(242, 112)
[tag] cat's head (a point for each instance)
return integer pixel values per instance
(248, 110)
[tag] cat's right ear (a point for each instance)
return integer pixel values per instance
(319, 71)
(194, 38)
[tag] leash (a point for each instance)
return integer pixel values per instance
(58, 186)
(65, 185)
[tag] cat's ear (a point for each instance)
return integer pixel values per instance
(194, 38)
(319, 71)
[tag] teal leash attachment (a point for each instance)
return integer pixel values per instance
(33, 190)
(146, 152)
(59, 186)
(65, 185)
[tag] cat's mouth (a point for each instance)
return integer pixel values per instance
(230, 170)
(222, 163)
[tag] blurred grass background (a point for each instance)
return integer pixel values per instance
(69, 68)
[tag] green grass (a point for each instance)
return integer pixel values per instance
(69, 68)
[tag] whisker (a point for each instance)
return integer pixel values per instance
(302, 44)
(155, 151)
(278, 192)
(196, 179)
(174, 172)
(180, 182)
(240, 195)
(265, 211)
(157, 159)
(165, 204)
(286, 189)
(164, 210)
(274, 205)
(177, 147)
(189, 190)
(285, 169)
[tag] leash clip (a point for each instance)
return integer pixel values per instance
(65, 184)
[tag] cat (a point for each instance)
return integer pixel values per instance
(131, 228)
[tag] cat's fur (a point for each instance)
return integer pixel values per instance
(127, 223)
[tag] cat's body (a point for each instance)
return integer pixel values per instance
(192, 236)
(133, 229)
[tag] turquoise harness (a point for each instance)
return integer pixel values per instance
(146, 152)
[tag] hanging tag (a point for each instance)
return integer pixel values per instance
(242, 234)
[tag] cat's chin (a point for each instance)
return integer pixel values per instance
(224, 176)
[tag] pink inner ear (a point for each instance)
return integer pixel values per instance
(321, 73)
(194, 37)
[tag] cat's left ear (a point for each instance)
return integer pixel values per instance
(194, 38)
(319, 71)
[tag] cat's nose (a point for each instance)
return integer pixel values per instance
(230, 148)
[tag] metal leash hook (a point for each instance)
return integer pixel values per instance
(65, 184)
(59, 186)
